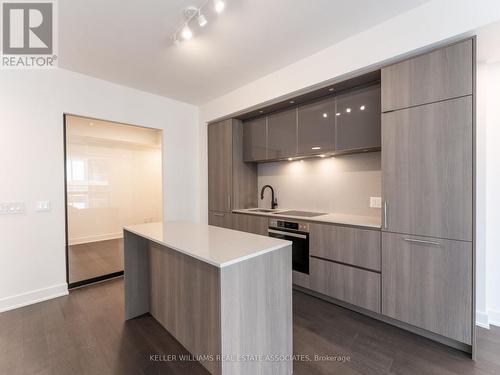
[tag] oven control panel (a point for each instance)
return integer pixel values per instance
(302, 227)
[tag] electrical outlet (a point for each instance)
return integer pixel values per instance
(11, 208)
(375, 202)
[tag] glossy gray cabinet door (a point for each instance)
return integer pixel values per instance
(255, 139)
(427, 283)
(427, 170)
(220, 156)
(316, 122)
(443, 74)
(357, 119)
(282, 134)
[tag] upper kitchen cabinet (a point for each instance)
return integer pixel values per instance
(427, 170)
(443, 74)
(316, 127)
(282, 134)
(255, 139)
(357, 118)
(232, 183)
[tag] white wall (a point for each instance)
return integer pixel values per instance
(481, 140)
(492, 256)
(341, 184)
(428, 24)
(32, 103)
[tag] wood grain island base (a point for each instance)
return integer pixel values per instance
(225, 295)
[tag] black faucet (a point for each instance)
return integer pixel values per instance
(274, 201)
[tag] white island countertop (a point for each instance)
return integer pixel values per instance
(219, 247)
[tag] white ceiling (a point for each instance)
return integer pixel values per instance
(127, 41)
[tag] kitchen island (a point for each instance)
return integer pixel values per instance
(225, 295)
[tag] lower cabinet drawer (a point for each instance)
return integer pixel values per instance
(356, 246)
(250, 223)
(427, 282)
(220, 219)
(349, 284)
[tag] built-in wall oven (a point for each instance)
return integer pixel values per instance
(298, 233)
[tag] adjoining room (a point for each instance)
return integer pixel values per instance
(113, 179)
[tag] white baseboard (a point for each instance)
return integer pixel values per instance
(34, 296)
(494, 317)
(482, 319)
(96, 238)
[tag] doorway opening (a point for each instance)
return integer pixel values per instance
(113, 178)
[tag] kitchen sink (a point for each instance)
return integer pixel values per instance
(261, 210)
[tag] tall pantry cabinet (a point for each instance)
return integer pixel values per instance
(427, 191)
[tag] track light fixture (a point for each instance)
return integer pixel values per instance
(219, 5)
(202, 21)
(184, 32)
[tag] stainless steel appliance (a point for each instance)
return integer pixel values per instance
(298, 233)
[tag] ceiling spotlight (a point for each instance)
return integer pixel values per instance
(194, 14)
(348, 110)
(362, 107)
(325, 115)
(219, 5)
(202, 21)
(330, 89)
(316, 148)
(186, 32)
(291, 102)
(337, 114)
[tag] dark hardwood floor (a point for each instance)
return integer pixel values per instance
(84, 333)
(95, 259)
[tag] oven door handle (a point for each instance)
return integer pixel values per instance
(297, 235)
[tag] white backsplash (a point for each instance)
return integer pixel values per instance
(342, 184)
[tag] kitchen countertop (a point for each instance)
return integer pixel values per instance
(219, 247)
(329, 218)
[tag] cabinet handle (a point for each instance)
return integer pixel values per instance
(385, 214)
(229, 202)
(422, 241)
(217, 214)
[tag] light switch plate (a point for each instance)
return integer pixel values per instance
(11, 208)
(375, 202)
(42, 206)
